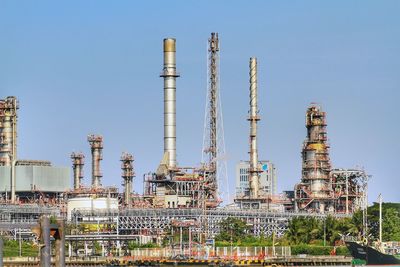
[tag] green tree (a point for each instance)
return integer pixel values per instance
(390, 218)
(233, 229)
(303, 230)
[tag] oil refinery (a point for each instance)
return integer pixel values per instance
(174, 197)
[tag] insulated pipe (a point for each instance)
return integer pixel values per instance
(96, 144)
(169, 74)
(253, 118)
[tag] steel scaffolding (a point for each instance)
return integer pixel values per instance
(22, 217)
(155, 222)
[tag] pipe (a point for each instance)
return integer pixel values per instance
(77, 166)
(253, 118)
(13, 182)
(96, 144)
(169, 74)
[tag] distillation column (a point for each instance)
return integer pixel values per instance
(127, 174)
(77, 165)
(315, 191)
(169, 74)
(96, 144)
(8, 130)
(253, 118)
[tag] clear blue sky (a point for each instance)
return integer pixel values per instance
(81, 67)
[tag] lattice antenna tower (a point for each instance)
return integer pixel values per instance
(213, 156)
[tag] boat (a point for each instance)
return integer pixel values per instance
(362, 252)
(370, 255)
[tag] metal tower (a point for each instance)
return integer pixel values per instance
(77, 165)
(96, 144)
(253, 118)
(213, 138)
(8, 130)
(127, 174)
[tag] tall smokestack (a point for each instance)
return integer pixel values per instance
(253, 118)
(77, 166)
(127, 174)
(96, 144)
(169, 74)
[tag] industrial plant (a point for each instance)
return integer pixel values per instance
(174, 197)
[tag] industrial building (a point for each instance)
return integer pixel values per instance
(267, 178)
(25, 181)
(34, 181)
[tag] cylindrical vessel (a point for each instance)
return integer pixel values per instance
(96, 143)
(169, 74)
(7, 140)
(77, 165)
(8, 130)
(253, 118)
(96, 168)
(127, 175)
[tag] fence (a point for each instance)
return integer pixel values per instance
(206, 253)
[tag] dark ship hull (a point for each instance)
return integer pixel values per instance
(370, 255)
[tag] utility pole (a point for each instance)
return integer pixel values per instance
(1, 251)
(324, 231)
(180, 241)
(20, 243)
(380, 219)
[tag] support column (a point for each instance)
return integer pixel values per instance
(45, 256)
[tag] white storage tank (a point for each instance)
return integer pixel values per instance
(91, 203)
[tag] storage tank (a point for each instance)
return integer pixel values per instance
(91, 203)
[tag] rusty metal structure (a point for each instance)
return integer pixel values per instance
(127, 175)
(323, 189)
(213, 138)
(8, 130)
(96, 145)
(78, 160)
(349, 187)
(315, 191)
